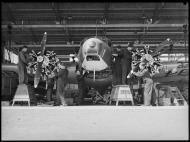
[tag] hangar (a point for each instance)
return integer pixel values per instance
(94, 48)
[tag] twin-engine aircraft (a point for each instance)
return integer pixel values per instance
(94, 65)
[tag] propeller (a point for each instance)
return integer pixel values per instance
(40, 60)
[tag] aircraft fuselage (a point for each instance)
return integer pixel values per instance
(95, 58)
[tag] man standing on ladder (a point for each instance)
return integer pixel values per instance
(23, 60)
(24, 88)
(126, 60)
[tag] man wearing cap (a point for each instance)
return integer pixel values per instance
(126, 60)
(117, 67)
(22, 63)
(24, 58)
(147, 78)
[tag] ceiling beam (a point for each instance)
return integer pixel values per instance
(128, 9)
(59, 35)
(110, 29)
(142, 33)
(77, 45)
(94, 26)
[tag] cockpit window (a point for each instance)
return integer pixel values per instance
(92, 58)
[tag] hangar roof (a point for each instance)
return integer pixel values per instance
(142, 23)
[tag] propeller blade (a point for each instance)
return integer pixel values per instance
(37, 75)
(39, 66)
(43, 43)
(161, 46)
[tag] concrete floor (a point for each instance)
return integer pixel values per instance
(94, 123)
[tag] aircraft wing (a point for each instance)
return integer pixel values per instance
(10, 67)
(168, 77)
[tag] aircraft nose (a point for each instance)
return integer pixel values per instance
(92, 44)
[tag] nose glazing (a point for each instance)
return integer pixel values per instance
(92, 44)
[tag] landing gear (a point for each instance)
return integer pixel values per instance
(101, 98)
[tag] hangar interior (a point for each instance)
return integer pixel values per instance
(67, 24)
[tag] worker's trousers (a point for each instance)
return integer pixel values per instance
(148, 91)
(22, 73)
(60, 94)
(126, 68)
(50, 89)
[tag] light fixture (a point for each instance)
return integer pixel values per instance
(57, 22)
(69, 17)
(168, 39)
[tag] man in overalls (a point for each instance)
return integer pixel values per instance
(22, 63)
(147, 78)
(126, 59)
(126, 64)
(24, 58)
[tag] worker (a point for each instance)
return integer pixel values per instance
(155, 94)
(147, 78)
(22, 64)
(24, 58)
(126, 60)
(62, 80)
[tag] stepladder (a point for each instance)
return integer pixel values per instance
(121, 93)
(22, 94)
